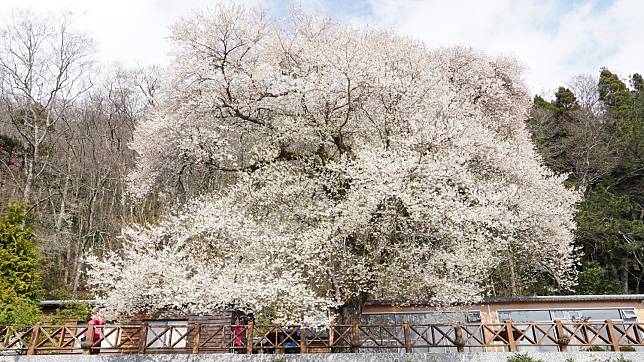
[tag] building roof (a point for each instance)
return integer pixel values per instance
(528, 299)
(65, 302)
(564, 298)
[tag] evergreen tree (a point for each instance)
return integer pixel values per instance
(549, 124)
(565, 100)
(612, 91)
(604, 154)
(19, 269)
(637, 82)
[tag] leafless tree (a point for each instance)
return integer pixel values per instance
(584, 86)
(44, 63)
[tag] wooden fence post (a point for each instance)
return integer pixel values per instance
(143, 338)
(61, 339)
(562, 339)
(406, 335)
(89, 339)
(249, 337)
(459, 341)
(7, 335)
(303, 343)
(331, 335)
(197, 339)
(612, 335)
(509, 328)
(35, 332)
(355, 337)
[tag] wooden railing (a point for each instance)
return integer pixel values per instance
(195, 338)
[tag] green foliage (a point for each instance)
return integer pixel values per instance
(565, 100)
(19, 312)
(621, 358)
(57, 293)
(610, 222)
(522, 357)
(19, 263)
(547, 126)
(539, 102)
(605, 220)
(637, 82)
(9, 146)
(595, 279)
(612, 91)
(19, 260)
(628, 122)
(73, 312)
(604, 154)
(34, 114)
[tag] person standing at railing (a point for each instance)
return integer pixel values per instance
(237, 342)
(98, 323)
(291, 340)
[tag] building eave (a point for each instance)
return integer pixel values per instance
(66, 302)
(523, 299)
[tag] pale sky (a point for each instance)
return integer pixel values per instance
(553, 39)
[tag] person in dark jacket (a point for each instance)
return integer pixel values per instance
(291, 340)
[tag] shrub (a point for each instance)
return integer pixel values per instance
(523, 357)
(19, 269)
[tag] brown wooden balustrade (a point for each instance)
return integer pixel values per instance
(195, 338)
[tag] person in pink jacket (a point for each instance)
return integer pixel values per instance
(98, 323)
(239, 331)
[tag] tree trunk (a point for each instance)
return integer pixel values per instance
(348, 316)
(637, 284)
(513, 274)
(63, 199)
(625, 273)
(351, 310)
(26, 193)
(77, 271)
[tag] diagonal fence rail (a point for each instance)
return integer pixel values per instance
(196, 338)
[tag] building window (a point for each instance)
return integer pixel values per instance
(524, 316)
(421, 333)
(594, 334)
(473, 316)
(629, 315)
(548, 315)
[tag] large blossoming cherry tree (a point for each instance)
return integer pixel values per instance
(345, 164)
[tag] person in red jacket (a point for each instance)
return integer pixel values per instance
(237, 342)
(98, 323)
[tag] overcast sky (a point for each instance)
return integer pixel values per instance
(553, 39)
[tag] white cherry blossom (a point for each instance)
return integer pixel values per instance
(355, 163)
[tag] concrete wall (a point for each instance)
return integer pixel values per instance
(341, 357)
